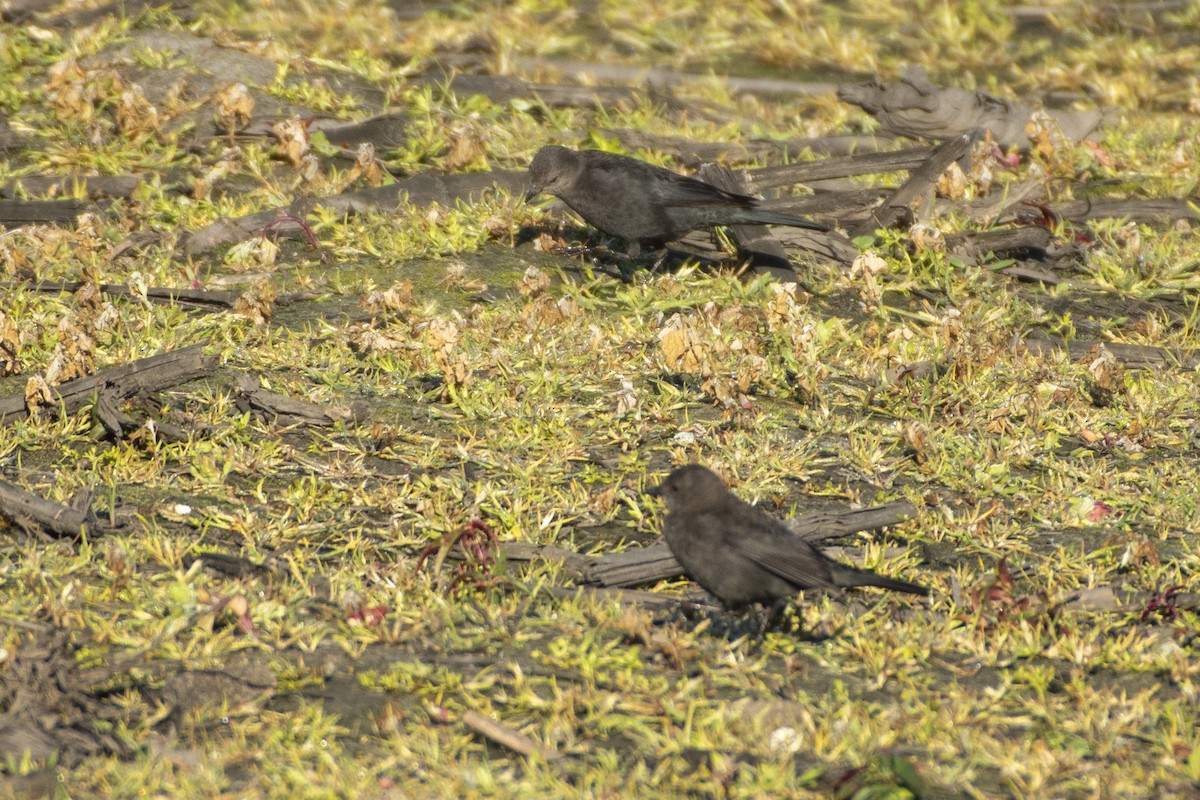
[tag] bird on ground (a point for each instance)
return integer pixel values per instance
(741, 555)
(641, 203)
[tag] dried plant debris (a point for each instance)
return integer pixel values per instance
(324, 456)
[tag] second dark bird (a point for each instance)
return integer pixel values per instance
(642, 204)
(741, 555)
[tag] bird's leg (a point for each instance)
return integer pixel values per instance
(777, 615)
(589, 251)
(600, 258)
(627, 262)
(722, 622)
(695, 617)
(631, 259)
(772, 617)
(660, 258)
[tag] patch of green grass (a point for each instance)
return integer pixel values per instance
(545, 410)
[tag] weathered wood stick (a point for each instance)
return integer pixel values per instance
(55, 517)
(145, 374)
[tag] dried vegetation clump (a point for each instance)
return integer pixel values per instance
(324, 455)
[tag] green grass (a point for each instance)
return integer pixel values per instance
(546, 411)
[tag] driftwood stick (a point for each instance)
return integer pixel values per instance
(973, 246)
(507, 737)
(93, 186)
(23, 212)
(1161, 210)
(108, 412)
(821, 525)
(634, 567)
(285, 410)
(693, 153)
(846, 208)
(55, 517)
(1133, 356)
(505, 88)
(919, 181)
(595, 72)
(144, 375)
(1035, 275)
(841, 167)
(204, 298)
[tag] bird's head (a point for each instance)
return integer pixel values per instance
(691, 488)
(552, 170)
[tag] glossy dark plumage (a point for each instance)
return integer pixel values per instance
(643, 204)
(741, 555)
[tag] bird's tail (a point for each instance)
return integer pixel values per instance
(760, 216)
(849, 576)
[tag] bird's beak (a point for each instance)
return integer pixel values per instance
(532, 193)
(655, 491)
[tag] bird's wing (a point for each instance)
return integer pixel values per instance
(666, 188)
(670, 189)
(779, 551)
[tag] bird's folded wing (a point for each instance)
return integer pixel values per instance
(682, 191)
(788, 556)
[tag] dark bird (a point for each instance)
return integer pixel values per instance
(639, 202)
(741, 555)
